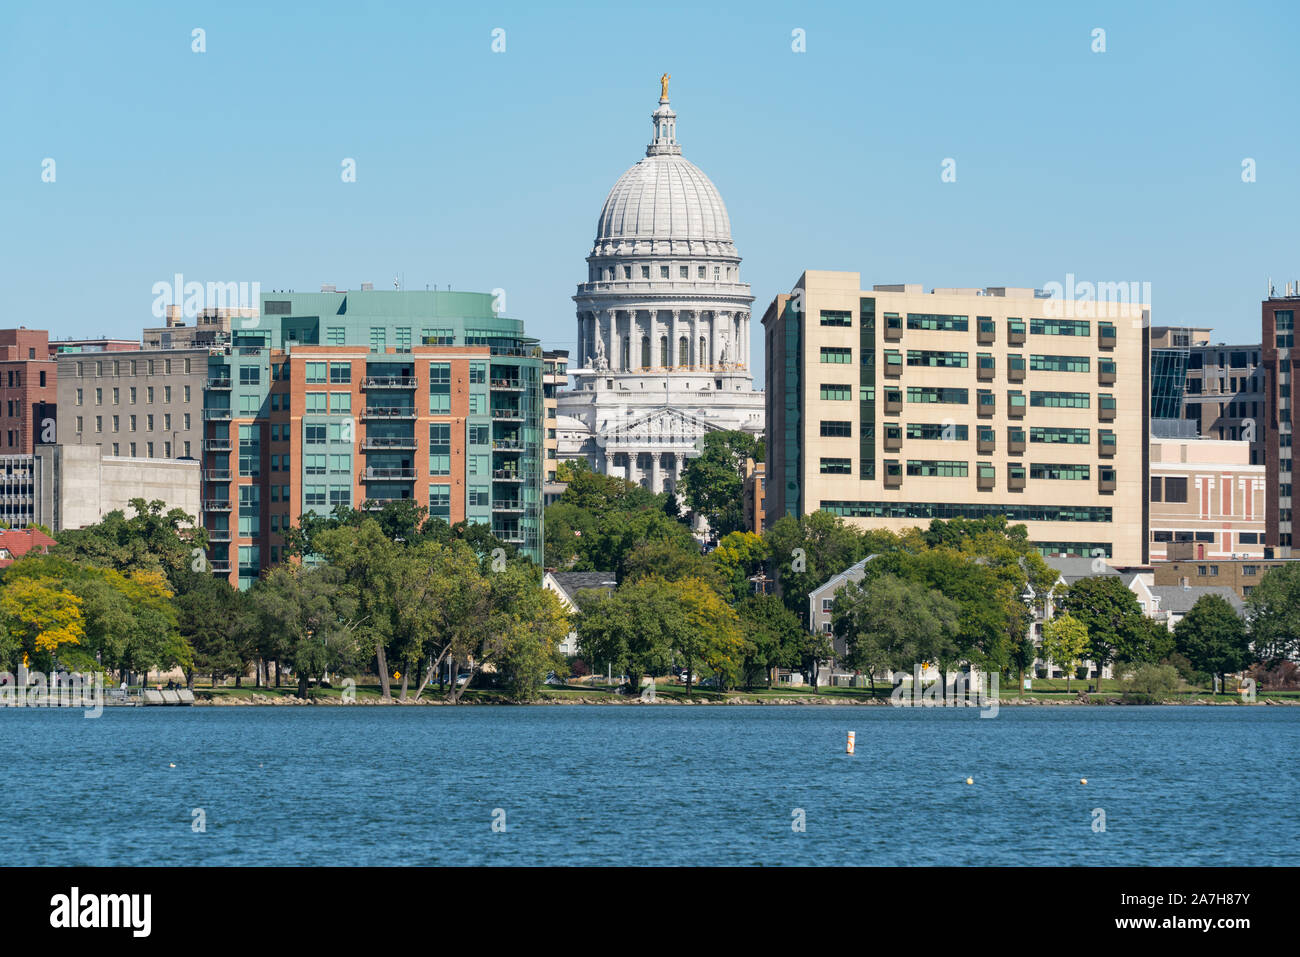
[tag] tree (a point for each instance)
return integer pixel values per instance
(713, 482)
(1065, 641)
(1214, 638)
(738, 556)
(44, 617)
(208, 613)
(887, 622)
(775, 637)
(1274, 606)
(1113, 617)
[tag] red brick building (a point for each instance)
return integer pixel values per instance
(28, 388)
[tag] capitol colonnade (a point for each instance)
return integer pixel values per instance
(628, 339)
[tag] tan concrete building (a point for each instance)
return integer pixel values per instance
(1240, 575)
(555, 377)
(77, 485)
(1208, 498)
(893, 406)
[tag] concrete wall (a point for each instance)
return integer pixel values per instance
(76, 485)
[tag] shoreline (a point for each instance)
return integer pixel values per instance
(263, 701)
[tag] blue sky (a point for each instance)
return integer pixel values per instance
(484, 170)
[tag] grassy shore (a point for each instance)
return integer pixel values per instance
(667, 691)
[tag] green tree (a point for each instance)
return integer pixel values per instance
(1214, 638)
(1065, 641)
(775, 637)
(1274, 606)
(713, 482)
(1110, 611)
(887, 622)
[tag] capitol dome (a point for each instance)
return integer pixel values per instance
(664, 205)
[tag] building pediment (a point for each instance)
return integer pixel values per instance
(663, 428)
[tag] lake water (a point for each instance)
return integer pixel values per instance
(651, 785)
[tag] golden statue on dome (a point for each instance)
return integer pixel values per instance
(663, 86)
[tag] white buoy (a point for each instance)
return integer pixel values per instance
(849, 747)
(1083, 780)
(970, 780)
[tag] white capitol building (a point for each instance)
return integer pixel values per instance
(663, 323)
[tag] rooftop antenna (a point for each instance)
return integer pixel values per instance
(395, 283)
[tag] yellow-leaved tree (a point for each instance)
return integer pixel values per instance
(43, 616)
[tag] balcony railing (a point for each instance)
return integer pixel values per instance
(219, 567)
(514, 536)
(511, 506)
(515, 385)
(389, 382)
(216, 475)
(216, 445)
(507, 414)
(376, 474)
(219, 384)
(507, 475)
(375, 442)
(216, 415)
(389, 412)
(218, 534)
(216, 505)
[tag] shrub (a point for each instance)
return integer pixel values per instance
(1150, 682)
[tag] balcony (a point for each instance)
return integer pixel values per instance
(509, 385)
(1106, 445)
(986, 406)
(1015, 333)
(380, 473)
(893, 402)
(217, 385)
(514, 536)
(985, 481)
(507, 475)
(216, 475)
(1016, 369)
(375, 504)
(216, 445)
(893, 328)
(509, 506)
(893, 366)
(1106, 412)
(216, 505)
(893, 439)
(1016, 480)
(986, 332)
(508, 415)
(1016, 441)
(218, 534)
(1106, 335)
(893, 475)
(1016, 410)
(219, 567)
(509, 446)
(216, 415)
(985, 443)
(985, 371)
(389, 382)
(1106, 481)
(377, 443)
(388, 412)
(1105, 373)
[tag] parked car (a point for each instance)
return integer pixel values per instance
(462, 678)
(553, 679)
(708, 682)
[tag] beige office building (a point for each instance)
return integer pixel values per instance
(1207, 500)
(893, 406)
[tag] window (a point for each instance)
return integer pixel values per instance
(941, 395)
(439, 449)
(314, 372)
(932, 467)
(938, 322)
(836, 466)
(835, 317)
(340, 372)
(1058, 471)
(340, 403)
(1060, 327)
(837, 354)
(315, 403)
(837, 429)
(837, 392)
(1055, 436)
(1060, 400)
(948, 432)
(937, 360)
(1176, 489)
(1039, 363)
(684, 272)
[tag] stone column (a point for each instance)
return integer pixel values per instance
(675, 335)
(656, 478)
(652, 330)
